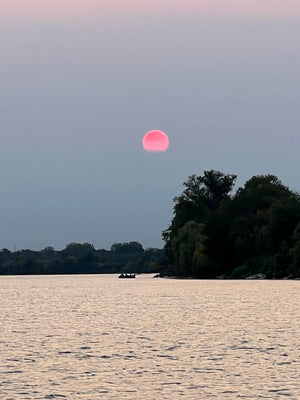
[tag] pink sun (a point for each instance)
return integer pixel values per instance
(156, 141)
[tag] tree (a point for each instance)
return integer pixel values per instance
(265, 214)
(48, 252)
(127, 248)
(254, 231)
(188, 249)
(78, 249)
(202, 195)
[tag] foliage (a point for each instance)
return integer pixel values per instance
(127, 248)
(188, 249)
(201, 196)
(82, 258)
(254, 231)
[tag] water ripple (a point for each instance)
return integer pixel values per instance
(92, 337)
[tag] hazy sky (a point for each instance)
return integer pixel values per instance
(82, 81)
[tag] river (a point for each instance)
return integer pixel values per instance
(92, 337)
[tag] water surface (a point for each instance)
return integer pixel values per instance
(92, 337)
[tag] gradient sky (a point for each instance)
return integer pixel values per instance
(83, 81)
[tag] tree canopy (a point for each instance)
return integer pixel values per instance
(216, 233)
(82, 258)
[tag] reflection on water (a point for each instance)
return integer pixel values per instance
(100, 337)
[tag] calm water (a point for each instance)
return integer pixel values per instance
(100, 337)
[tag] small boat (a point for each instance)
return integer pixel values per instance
(126, 276)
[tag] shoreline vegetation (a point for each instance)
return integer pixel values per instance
(253, 233)
(79, 258)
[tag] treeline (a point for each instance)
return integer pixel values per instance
(79, 258)
(254, 232)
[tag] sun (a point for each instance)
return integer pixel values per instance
(156, 141)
